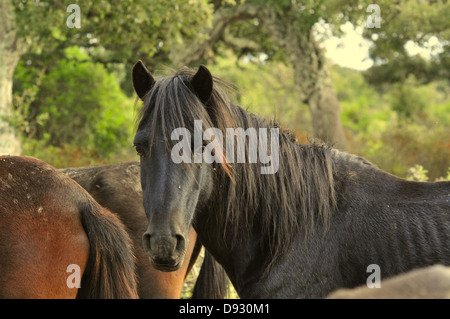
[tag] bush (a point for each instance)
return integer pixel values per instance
(404, 144)
(398, 125)
(78, 103)
(408, 98)
(419, 174)
(74, 155)
(266, 89)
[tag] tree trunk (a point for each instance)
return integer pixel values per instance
(10, 53)
(325, 113)
(311, 77)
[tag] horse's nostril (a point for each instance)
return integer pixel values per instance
(181, 243)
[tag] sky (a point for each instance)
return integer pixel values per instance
(352, 50)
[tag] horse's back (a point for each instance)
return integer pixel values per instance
(41, 232)
(394, 223)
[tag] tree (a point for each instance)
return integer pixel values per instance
(111, 32)
(293, 30)
(289, 24)
(10, 52)
(178, 32)
(404, 23)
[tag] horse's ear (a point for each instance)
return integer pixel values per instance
(143, 80)
(202, 83)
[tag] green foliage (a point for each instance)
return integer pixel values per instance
(406, 143)
(361, 107)
(266, 89)
(382, 127)
(114, 30)
(78, 103)
(415, 21)
(407, 98)
(26, 83)
(417, 173)
(397, 126)
(67, 92)
(446, 178)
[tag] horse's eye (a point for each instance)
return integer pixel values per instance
(139, 150)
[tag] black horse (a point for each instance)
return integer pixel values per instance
(312, 226)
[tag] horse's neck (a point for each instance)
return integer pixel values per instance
(243, 262)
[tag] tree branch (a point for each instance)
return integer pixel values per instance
(239, 44)
(223, 17)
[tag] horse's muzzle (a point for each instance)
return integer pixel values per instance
(166, 251)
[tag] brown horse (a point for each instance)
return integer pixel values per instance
(118, 188)
(52, 230)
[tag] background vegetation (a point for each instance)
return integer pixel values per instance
(79, 114)
(73, 103)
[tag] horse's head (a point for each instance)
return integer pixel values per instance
(174, 184)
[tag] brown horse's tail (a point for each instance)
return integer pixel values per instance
(110, 270)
